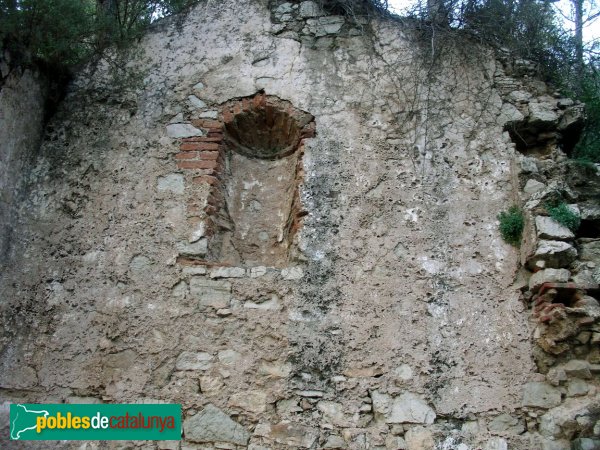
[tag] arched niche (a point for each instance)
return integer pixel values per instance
(260, 177)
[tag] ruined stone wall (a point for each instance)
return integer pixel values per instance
(285, 221)
(22, 101)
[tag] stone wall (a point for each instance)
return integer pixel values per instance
(286, 221)
(22, 101)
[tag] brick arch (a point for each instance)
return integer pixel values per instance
(251, 162)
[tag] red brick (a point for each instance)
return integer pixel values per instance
(227, 116)
(191, 146)
(207, 123)
(209, 146)
(197, 164)
(214, 138)
(209, 156)
(208, 179)
(187, 155)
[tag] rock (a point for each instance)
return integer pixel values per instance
(333, 413)
(542, 113)
(179, 290)
(556, 375)
(577, 368)
(589, 250)
(178, 118)
(213, 425)
(291, 434)
(584, 277)
(194, 270)
(541, 395)
(283, 13)
(272, 304)
(251, 401)
(210, 385)
(509, 114)
(565, 102)
(183, 130)
(334, 441)
(275, 370)
(292, 273)
(505, 423)
(228, 272)
(585, 444)
(589, 211)
(496, 444)
(519, 96)
(140, 264)
(406, 408)
(258, 271)
(402, 373)
(548, 228)
(553, 254)
(288, 406)
(211, 293)
(572, 118)
(194, 361)
(323, 26)
(199, 232)
(209, 115)
(229, 357)
(198, 248)
(172, 182)
(548, 276)
(309, 393)
(310, 9)
(528, 165)
(532, 186)
(196, 102)
(395, 443)
(419, 438)
(576, 388)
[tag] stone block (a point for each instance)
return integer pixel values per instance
(228, 272)
(548, 228)
(213, 425)
(552, 254)
(211, 293)
(194, 361)
(541, 395)
(548, 276)
(182, 130)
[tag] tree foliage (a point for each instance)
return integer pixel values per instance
(49, 30)
(67, 32)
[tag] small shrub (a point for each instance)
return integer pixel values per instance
(564, 215)
(511, 225)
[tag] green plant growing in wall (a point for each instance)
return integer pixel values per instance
(511, 225)
(564, 215)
